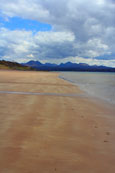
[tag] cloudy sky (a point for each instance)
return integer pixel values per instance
(58, 31)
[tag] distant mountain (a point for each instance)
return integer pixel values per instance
(33, 63)
(37, 64)
(49, 64)
(7, 65)
(68, 66)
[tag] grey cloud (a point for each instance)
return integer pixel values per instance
(45, 45)
(92, 23)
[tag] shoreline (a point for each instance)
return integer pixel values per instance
(66, 134)
(88, 94)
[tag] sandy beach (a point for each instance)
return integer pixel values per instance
(54, 131)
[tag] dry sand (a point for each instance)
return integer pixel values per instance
(46, 134)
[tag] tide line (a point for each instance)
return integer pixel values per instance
(43, 94)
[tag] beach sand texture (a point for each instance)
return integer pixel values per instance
(51, 133)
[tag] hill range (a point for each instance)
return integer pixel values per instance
(69, 66)
(38, 66)
(7, 65)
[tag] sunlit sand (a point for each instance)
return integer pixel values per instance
(57, 129)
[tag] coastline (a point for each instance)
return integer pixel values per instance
(87, 92)
(66, 134)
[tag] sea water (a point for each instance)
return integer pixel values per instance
(97, 84)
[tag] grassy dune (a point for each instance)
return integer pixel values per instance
(7, 65)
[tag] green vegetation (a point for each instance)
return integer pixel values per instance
(7, 65)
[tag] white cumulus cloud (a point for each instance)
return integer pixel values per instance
(82, 28)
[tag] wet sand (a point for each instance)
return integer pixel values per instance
(53, 133)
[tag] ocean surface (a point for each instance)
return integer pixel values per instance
(100, 85)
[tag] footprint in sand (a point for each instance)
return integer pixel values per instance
(106, 141)
(107, 133)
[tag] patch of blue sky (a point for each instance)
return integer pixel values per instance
(17, 23)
